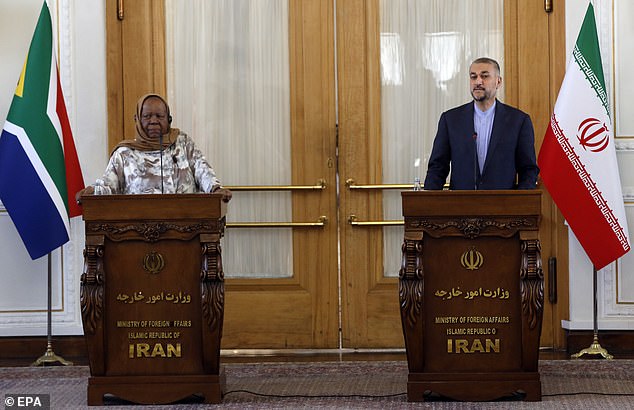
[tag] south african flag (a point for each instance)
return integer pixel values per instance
(39, 168)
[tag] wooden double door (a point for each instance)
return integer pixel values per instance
(339, 295)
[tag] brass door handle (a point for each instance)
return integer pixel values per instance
(119, 10)
(319, 223)
(351, 184)
(321, 184)
(352, 220)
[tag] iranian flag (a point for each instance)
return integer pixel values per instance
(578, 158)
(39, 169)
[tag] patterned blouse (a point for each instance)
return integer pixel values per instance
(185, 170)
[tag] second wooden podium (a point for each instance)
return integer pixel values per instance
(152, 296)
(471, 294)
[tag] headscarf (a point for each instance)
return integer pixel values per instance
(144, 142)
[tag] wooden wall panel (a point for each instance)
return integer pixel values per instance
(135, 58)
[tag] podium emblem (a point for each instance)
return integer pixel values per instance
(153, 262)
(472, 259)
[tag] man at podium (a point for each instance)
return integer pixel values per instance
(487, 144)
(160, 159)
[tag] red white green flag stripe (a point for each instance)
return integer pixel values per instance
(578, 156)
(39, 168)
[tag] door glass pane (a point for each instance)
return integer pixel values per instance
(228, 86)
(426, 49)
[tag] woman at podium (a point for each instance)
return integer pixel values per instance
(160, 159)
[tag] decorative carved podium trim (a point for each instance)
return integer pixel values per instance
(532, 282)
(92, 284)
(212, 285)
(151, 232)
(471, 227)
(410, 285)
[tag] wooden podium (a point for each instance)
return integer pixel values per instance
(152, 296)
(471, 293)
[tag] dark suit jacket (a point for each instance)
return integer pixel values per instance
(511, 151)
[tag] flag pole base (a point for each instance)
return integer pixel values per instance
(50, 357)
(594, 349)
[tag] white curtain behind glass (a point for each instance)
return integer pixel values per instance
(426, 49)
(228, 87)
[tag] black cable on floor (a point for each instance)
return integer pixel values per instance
(587, 392)
(368, 396)
(304, 396)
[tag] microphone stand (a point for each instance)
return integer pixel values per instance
(161, 144)
(475, 160)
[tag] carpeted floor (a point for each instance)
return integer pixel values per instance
(566, 384)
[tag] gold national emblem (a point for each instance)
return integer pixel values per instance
(471, 259)
(153, 262)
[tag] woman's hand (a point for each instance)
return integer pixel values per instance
(89, 190)
(226, 194)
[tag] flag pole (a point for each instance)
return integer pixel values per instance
(49, 356)
(595, 348)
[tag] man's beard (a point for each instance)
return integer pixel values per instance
(483, 97)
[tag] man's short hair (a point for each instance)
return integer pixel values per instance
(487, 60)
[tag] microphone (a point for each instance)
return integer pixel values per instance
(475, 160)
